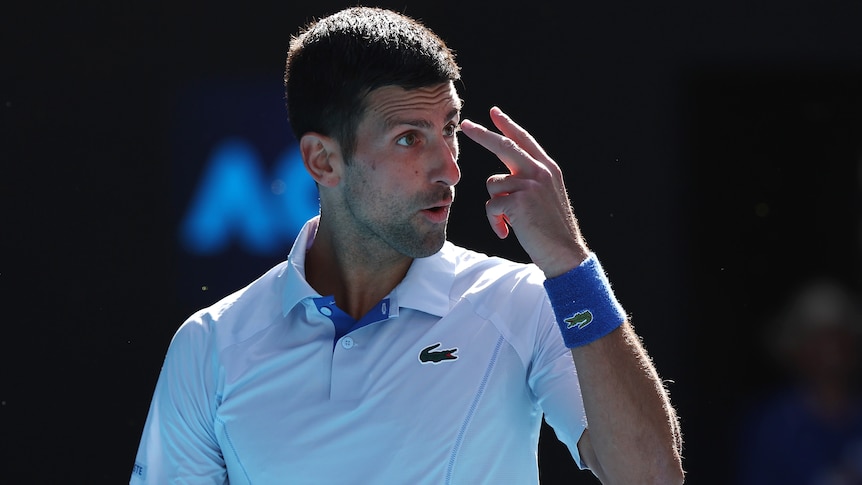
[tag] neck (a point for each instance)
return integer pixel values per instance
(358, 275)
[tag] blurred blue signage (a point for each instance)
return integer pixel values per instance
(240, 180)
(237, 201)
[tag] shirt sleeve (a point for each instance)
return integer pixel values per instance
(554, 380)
(178, 444)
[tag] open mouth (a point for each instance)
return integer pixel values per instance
(437, 213)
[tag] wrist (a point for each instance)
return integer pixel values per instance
(564, 262)
(584, 303)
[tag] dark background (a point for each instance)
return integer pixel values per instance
(710, 150)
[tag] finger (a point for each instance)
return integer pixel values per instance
(498, 187)
(514, 157)
(516, 133)
(498, 220)
(501, 184)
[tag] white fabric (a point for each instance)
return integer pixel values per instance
(253, 391)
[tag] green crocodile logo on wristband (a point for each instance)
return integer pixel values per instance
(580, 319)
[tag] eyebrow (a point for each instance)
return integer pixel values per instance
(419, 123)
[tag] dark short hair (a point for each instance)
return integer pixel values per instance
(334, 63)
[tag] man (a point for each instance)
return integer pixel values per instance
(381, 353)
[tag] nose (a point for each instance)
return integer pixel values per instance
(447, 171)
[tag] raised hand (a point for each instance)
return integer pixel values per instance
(531, 198)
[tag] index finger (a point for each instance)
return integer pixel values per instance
(516, 159)
(519, 135)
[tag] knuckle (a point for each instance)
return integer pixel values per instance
(509, 144)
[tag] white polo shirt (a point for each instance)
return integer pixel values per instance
(446, 382)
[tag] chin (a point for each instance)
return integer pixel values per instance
(429, 245)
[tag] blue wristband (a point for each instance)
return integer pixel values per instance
(584, 303)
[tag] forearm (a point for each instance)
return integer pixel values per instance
(633, 432)
(629, 416)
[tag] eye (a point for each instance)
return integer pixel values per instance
(451, 129)
(407, 140)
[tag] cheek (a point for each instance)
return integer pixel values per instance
(376, 184)
(381, 178)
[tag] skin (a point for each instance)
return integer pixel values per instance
(390, 204)
(633, 435)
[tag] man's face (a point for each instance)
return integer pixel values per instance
(401, 180)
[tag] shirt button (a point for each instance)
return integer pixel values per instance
(347, 343)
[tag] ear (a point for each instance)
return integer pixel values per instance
(322, 158)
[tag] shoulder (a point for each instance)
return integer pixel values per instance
(511, 296)
(238, 315)
(480, 274)
(508, 293)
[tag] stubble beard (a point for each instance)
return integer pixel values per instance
(384, 222)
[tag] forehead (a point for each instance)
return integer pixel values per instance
(392, 105)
